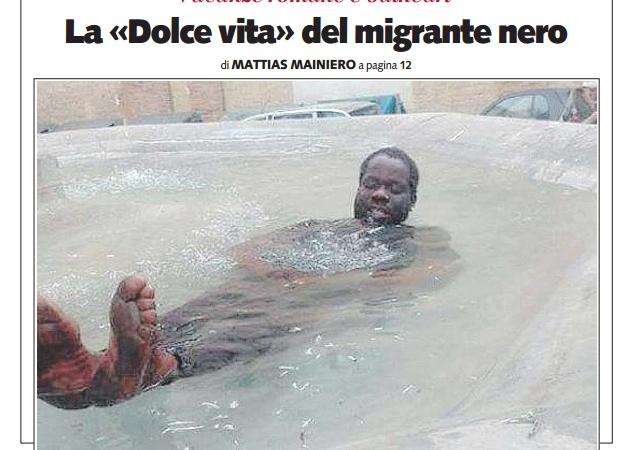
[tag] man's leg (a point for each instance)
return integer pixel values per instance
(70, 376)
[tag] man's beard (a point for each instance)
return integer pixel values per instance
(361, 212)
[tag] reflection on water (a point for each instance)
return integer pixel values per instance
(374, 365)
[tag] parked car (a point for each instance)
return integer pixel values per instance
(559, 104)
(387, 103)
(320, 111)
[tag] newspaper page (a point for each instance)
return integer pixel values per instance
(313, 224)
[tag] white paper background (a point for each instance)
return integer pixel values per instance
(586, 54)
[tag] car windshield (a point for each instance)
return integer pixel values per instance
(517, 107)
(368, 110)
(325, 114)
(303, 115)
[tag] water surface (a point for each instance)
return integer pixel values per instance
(506, 348)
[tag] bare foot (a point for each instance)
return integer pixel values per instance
(132, 356)
(64, 365)
(69, 376)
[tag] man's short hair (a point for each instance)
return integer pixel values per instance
(397, 153)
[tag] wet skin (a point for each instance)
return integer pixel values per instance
(384, 194)
(249, 315)
(69, 376)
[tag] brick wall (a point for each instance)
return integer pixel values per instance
(207, 97)
(142, 97)
(61, 102)
(252, 94)
(64, 101)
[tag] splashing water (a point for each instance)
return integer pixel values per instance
(323, 249)
(133, 180)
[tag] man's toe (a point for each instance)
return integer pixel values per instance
(131, 287)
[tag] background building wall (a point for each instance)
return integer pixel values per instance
(142, 97)
(204, 96)
(65, 101)
(62, 102)
(309, 91)
(259, 95)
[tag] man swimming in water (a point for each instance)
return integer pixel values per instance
(250, 316)
(388, 180)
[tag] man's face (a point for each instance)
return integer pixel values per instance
(384, 193)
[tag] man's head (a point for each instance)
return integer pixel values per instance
(388, 179)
